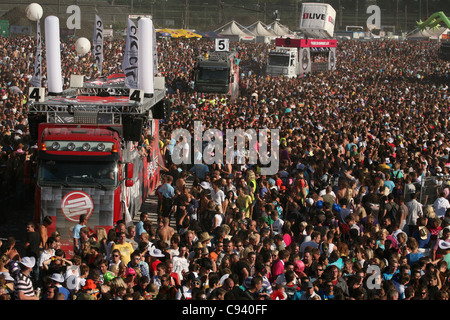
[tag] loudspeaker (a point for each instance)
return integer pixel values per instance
(444, 51)
(161, 110)
(33, 124)
(132, 128)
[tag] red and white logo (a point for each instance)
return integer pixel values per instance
(75, 204)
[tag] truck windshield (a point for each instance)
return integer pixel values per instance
(279, 60)
(70, 173)
(216, 75)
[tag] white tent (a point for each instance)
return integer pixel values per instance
(261, 32)
(279, 30)
(235, 32)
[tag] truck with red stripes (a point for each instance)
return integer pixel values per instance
(98, 154)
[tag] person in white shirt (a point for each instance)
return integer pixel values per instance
(441, 205)
(277, 222)
(48, 252)
(218, 196)
(415, 211)
(180, 262)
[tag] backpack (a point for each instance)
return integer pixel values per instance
(393, 212)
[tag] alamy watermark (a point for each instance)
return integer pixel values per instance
(374, 278)
(245, 146)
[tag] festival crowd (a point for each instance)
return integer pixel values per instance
(342, 219)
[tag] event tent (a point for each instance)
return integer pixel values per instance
(279, 30)
(261, 32)
(235, 32)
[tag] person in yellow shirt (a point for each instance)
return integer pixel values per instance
(383, 166)
(245, 202)
(125, 248)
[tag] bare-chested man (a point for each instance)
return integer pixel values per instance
(165, 231)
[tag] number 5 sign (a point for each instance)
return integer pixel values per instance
(222, 45)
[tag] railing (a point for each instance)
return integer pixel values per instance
(429, 188)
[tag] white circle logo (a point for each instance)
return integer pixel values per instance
(75, 204)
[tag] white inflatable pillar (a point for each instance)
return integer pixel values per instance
(53, 56)
(145, 62)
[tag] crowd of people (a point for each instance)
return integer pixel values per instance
(342, 219)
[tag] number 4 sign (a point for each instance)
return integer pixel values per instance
(136, 95)
(36, 94)
(222, 45)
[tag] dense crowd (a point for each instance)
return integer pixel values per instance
(342, 218)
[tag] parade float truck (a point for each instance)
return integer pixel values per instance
(218, 72)
(315, 52)
(90, 158)
(293, 57)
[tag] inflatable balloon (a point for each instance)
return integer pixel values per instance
(82, 46)
(34, 11)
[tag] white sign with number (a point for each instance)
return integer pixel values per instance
(136, 95)
(37, 94)
(222, 44)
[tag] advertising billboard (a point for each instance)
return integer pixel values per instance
(317, 20)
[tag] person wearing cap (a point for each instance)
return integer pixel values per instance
(59, 282)
(444, 246)
(205, 239)
(206, 267)
(74, 281)
(88, 292)
(422, 235)
(23, 285)
(309, 291)
(439, 249)
(153, 259)
(130, 277)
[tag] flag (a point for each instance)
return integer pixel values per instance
(36, 79)
(131, 56)
(98, 43)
